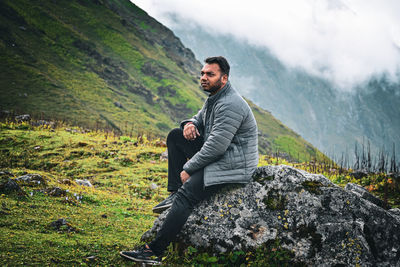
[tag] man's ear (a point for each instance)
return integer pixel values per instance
(225, 78)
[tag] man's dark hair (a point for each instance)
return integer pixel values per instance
(222, 63)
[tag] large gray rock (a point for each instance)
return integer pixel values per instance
(83, 182)
(8, 185)
(396, 213)
(363, 193)
(50, 124)
(31, 179)
(321, 223)
(24, 117)
(62, 225)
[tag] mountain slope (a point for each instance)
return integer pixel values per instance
(61, 56)
(107, 64)
(275, 138)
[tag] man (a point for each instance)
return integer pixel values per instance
(220, 142)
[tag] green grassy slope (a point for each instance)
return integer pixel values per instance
(107, 64)
(106, 218)
(113, 214)
(73, 60)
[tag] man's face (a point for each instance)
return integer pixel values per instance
(211, 78)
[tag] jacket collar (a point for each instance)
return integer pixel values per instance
(225, 89)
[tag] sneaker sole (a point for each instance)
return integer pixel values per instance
(161, 208)
(140, 260)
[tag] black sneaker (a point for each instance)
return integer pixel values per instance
(143, 254)
(165, 204)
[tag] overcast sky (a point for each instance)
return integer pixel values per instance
(345, 41)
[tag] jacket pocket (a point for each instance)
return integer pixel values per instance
(226, 161)
(236, 157)
(232, 159)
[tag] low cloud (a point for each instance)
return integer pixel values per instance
(346, 42)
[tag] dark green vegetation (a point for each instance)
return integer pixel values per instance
(312, 187)
(96, 64)
(275, 201)
(114, 213)
(108, 65)
(269, 254)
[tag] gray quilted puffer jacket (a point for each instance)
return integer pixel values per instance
(229, 129)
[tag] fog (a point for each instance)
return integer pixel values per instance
(345, 42)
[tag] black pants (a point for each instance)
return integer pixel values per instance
(188, 195)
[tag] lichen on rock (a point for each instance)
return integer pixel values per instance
(318, 222)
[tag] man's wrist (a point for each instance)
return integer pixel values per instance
(189, 123)
(187, 172)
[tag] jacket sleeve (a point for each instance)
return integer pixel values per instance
(196, 119)
(227, 120)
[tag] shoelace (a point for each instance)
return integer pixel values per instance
(145, 249)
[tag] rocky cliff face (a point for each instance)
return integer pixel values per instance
(158, 35)
(317, 221)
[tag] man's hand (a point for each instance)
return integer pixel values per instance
(190, 131)
(184, 176)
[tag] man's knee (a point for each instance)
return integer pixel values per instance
(174, 135)
(183, 202)
(192, 192)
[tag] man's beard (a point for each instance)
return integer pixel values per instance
(214, 88)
